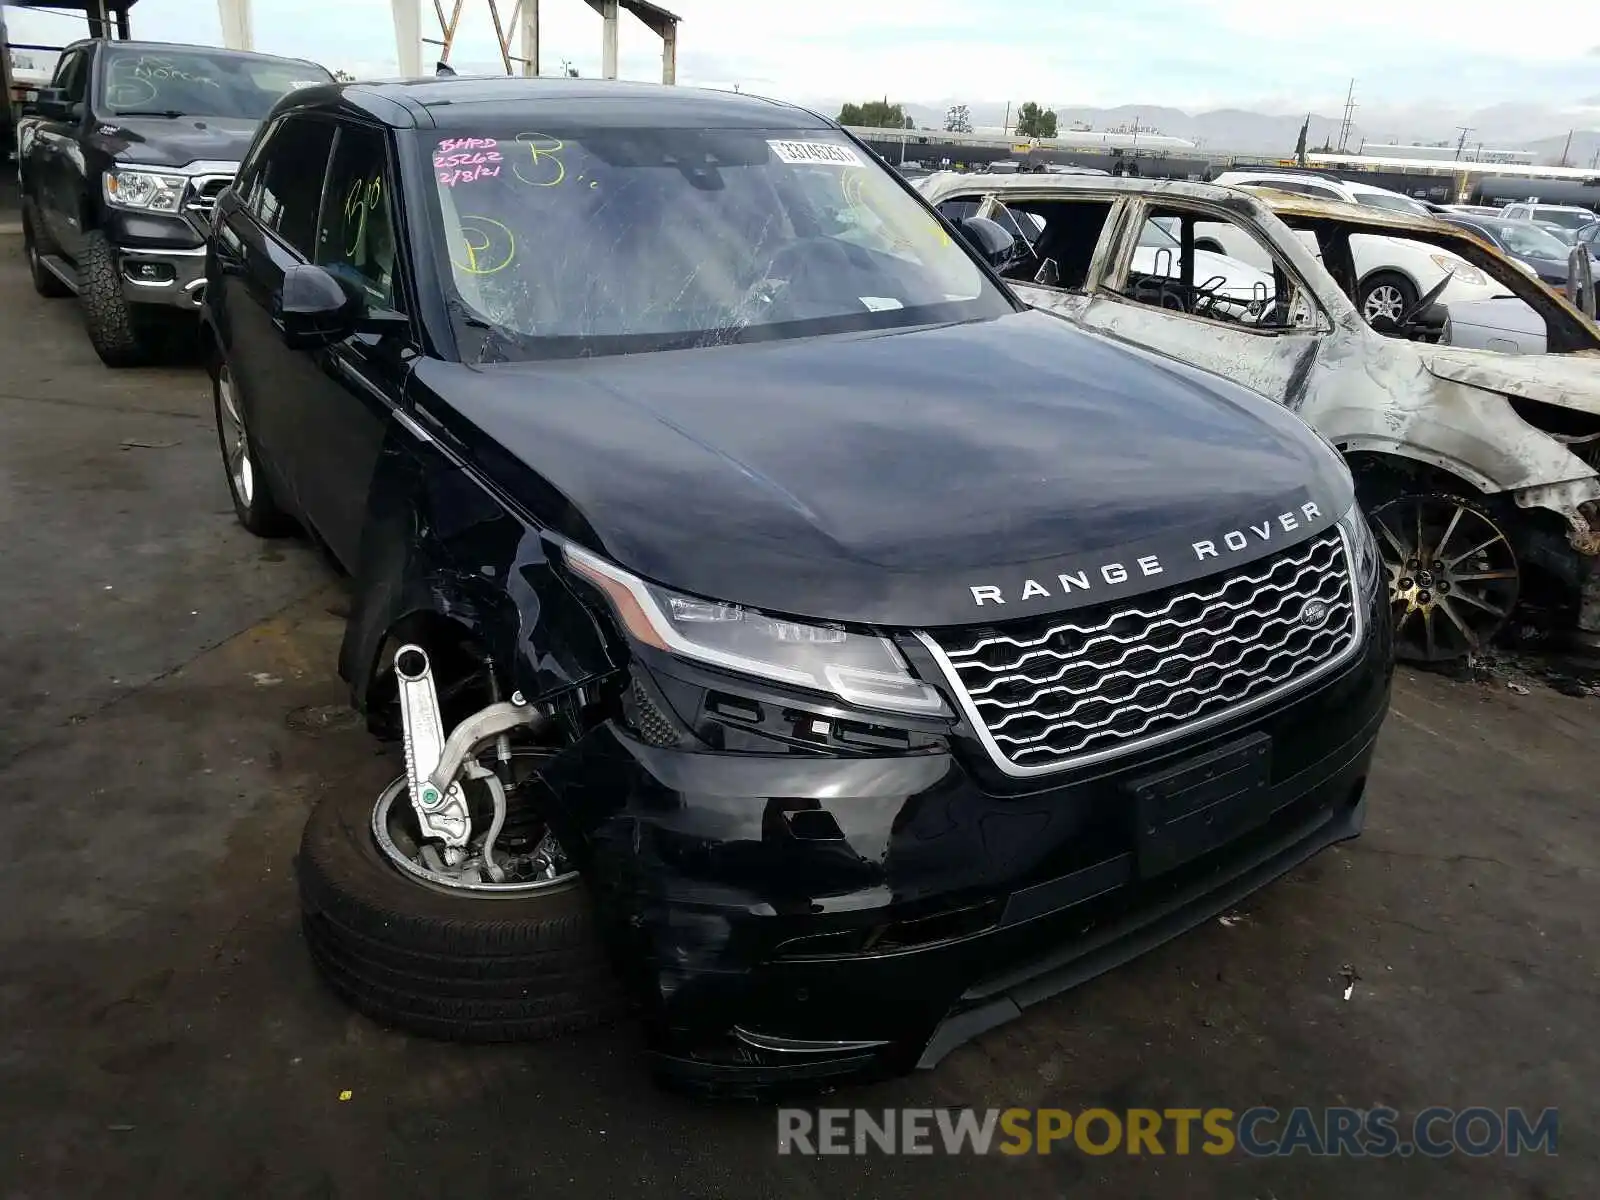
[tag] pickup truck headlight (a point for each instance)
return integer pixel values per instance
(1363, 550)
(863, 669)
(144, 189)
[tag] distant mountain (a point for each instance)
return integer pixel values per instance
(1243, 131)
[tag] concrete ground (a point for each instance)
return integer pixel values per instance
(169, 712)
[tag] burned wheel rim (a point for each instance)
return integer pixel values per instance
(1384, 300)
(1453, 575)
(235, 439)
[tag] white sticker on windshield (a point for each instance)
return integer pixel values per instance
(296, 84)
(880, 303)
(823, 154)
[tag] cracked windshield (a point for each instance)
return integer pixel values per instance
(614, 240)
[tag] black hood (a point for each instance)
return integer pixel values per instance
(176, 141)
(880, 479)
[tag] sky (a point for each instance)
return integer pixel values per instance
(1189, 54)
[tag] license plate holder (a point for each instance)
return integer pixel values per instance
(1202, 803)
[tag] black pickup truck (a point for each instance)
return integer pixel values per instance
(121, 160)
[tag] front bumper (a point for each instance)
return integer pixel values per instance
(161, 257)
(172, 277)
(794, 917)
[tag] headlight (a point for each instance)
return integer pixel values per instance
(143, 189)
(864, 669)
(1363, 549)
(1465, 272)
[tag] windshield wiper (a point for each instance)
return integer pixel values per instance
(170, 113)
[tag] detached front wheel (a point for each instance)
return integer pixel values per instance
(1453, 575)
(448, 952)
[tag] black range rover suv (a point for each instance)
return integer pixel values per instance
(775, 615)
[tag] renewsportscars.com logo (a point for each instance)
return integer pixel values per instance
(1259, 1132)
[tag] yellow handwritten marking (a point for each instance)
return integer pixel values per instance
(479, 246)
(545, 150)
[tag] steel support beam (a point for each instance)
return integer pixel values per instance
(238, 27)
(407, 15)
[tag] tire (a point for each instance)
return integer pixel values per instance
(1385, 293)
(46, 284)
(248, 484)
(454, 967)
(118, 331)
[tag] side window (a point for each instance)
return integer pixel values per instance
(1204, 281)
(294, 164)
(72, 76)
(356, 236)
(1061, 235)
(249, 177)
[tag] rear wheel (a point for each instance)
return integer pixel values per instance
(253, 502)
(1453, 574)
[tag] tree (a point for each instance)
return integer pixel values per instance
(958, 119)
(874, 114)
(344, 76)
(1033, 121)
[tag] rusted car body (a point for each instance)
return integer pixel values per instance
(1436, 434)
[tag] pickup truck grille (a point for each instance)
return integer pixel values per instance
(203, 193)
(1067, 689)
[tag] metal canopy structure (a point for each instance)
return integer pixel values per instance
(107, 18)
(518, 22)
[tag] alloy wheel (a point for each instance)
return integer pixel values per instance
(1453, 575)
(235, 439)
(1384, 300)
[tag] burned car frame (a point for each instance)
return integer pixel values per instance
(768, 604)
(1478, 469)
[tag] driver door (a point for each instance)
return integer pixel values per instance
(1260, 328)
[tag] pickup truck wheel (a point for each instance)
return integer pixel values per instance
(118, 331)
(253, 502)
(46, 284)
(1453, 574)
(490, 966)
(1385, 294)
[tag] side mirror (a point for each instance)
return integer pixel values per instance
(989, 238)
(51, 103)
(314, 309)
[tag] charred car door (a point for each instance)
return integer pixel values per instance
(1168, 287)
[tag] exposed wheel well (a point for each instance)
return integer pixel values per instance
(1380, 477)
(466, 677)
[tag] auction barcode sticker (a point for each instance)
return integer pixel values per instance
(826, 154)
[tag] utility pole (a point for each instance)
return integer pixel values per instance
(1461, 141)
(1566, 150)
(1349, 112)
(1005, 129)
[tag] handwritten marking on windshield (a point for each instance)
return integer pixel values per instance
(545, 168)
(486, 244)
(362, 198)
(466, 160)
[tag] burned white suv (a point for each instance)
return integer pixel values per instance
(1478, 469)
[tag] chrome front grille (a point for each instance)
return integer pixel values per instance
(1067, 689)
(201, 199)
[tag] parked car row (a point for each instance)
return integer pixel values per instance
(121, 160)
